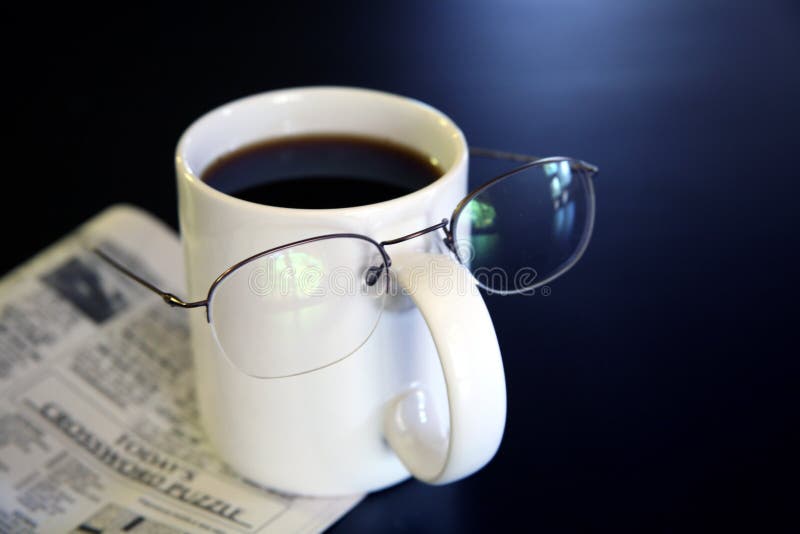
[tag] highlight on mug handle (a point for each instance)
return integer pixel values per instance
(433, 450)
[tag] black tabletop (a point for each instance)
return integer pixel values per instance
(656, 387)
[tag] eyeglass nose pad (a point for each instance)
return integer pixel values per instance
(372, 275)
(448, 242)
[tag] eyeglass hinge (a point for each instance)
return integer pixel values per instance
(174, 301)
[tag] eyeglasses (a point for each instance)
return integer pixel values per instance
(514, 233)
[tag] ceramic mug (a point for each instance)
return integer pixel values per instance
(425, 394)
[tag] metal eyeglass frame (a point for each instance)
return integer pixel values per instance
(528, 162)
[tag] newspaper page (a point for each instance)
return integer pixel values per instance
(98, 426)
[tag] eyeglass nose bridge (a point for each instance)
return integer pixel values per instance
(373, 273)
(429, 229)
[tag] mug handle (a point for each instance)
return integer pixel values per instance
(464, 336)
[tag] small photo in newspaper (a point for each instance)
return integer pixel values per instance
(96, 293)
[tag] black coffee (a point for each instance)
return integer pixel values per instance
(322, 171)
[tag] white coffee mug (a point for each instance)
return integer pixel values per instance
(425, 395)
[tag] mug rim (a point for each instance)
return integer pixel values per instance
(185, 171)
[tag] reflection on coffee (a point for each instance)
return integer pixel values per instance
(322, 171)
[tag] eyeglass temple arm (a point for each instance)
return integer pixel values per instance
(167, 297)
(501, 154)
(522, 158)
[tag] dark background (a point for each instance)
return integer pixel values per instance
(656, 388)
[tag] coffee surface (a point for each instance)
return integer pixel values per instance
(322, 171)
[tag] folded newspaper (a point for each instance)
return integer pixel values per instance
(98, 426)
